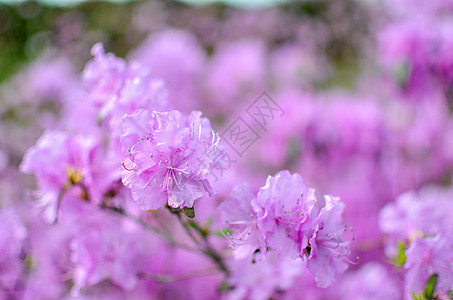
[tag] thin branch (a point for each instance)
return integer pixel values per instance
(208, 249)
(139, 221)
(161, 278)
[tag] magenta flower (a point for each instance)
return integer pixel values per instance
(167, 157)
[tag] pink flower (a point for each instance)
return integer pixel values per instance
(167, 157)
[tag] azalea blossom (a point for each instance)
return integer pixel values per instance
(166, 157)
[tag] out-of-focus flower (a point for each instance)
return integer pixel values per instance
(425, 257)
(237, 213)
(12, 237)
(104, 251)
(60, 161)
(119, 87)
(371, 281)
(416, 214)
(263, 279)
(177, 58)
(244, 4)
(235, 73)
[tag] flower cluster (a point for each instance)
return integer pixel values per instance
(418, 228)
(286, 216)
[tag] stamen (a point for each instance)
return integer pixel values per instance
(124, 166)
(352, 262)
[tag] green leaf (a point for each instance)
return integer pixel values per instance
(400, 258)
(224, 286)
(418, 296)
(192, 224)
(430, 286)
(223, 232)
(188, 211)
(402, 72)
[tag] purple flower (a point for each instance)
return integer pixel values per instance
(286, 214)
(12, 236)
(105, 250)
(104, 75)
(329, 247)
(119, 87)
(167, 157)
(283, 207)
(428, 256)
(177, 57)
(424, 213)
(372, 281)
(235, 71)
(237, 213)
(263, 279)
(60, 161)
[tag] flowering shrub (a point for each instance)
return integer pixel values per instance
(235, 161)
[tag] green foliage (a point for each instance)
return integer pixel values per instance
(402, 72)
(223, 232)
(27, 28)
(224, 286)
(400, 258)
(188, 211)
(428, 293)
(418, 296)
(430, 286)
